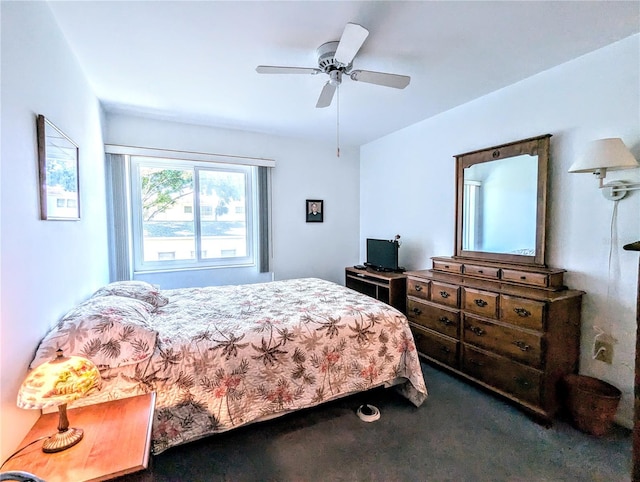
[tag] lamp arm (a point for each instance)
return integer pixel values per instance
(631, 186)
(600, 174)
(616, 190)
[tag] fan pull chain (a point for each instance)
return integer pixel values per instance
(338, 123)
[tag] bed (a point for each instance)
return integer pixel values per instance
(223, 357)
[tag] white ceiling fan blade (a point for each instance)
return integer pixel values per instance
(381, 78)
(352, 39)
(272, 69)
(326, 96)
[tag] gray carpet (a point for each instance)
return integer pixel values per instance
(460, 433)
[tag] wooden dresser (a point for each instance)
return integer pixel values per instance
(514, 329)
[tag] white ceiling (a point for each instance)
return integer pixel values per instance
(194, 61)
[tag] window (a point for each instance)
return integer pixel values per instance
(193, 254)
(181, 214)
(164, 215)
(471, 219)
(206, 210)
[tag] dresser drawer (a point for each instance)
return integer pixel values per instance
(482, 271)
(443, 320)
(516, 344)
(525, 277)
(445, 294)
(418, 288)
(518, 380)
(483, 303)
(444, 350)
(447, 266)
(522, 312)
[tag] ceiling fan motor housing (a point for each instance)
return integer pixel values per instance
(326, 58)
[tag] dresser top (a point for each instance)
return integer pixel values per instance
(499, 286)
(495, 264)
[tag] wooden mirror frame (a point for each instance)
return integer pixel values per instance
(533, 146)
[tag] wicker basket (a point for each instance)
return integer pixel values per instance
(592, 403)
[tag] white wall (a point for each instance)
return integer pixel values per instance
(591, 97)
(46, 266)
(304, 170)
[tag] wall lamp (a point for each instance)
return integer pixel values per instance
(604, 155)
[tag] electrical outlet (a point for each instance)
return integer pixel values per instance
(603, 351)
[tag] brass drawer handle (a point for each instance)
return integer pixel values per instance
(418, 288)
(522, 345)
(522, 312)
(445, 320)
(481, 303)
(480, 271)
(417, 311)
(444, 294)
(476, 363)
(523, 277)
(477, 331)
(445, 349)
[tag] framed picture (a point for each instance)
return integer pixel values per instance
(314, 210)
(58, 169)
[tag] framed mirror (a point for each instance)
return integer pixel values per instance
(58, 171)
(501, 202)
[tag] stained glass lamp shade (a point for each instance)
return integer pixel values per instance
(56, 383)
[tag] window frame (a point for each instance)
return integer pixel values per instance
(197, 166)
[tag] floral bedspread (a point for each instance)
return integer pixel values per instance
(230, 355)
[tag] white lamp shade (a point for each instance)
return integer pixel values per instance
(605, 154)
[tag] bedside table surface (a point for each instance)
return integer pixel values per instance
(116, 442)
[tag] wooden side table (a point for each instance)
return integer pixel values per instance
(388, 287)
(117, 442)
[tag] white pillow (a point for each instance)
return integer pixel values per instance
(111, 331)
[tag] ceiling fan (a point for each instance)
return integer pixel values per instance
(335, 59)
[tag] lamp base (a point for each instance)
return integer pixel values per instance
(62, 440)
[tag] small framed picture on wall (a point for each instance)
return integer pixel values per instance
(314, 209)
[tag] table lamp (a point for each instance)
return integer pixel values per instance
(56, 383)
